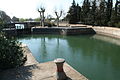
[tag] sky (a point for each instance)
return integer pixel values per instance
(28, 8)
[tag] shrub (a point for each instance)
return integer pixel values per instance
(11, 53)
(50, 24)
(117, 24)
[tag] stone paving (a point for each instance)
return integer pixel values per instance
(38, 71)
(42, 71)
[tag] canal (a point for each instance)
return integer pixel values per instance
(96, 57)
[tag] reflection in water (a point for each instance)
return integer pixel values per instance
(43, 48)
(96, 59)
(107, 39)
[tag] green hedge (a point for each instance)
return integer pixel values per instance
(11, 54)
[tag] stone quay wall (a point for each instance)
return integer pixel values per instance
(108, 31)
(46, 30)
(64, 30)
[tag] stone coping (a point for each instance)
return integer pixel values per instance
(71, 27)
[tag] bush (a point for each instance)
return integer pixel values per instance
(117, 24)
(50, 24)
(11, 54)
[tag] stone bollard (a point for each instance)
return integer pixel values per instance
(60, 74)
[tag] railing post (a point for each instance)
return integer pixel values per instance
(60, 74)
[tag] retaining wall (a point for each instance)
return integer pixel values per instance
(46, 30)
(10, 32)
(64, 30)
(108, 31)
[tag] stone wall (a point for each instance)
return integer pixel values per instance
(108, 31)
(10, 32)
(77, 31)
(46, 30)
(64, 30)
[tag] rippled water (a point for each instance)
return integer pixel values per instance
(96, 57)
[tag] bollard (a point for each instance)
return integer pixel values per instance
(60, 74)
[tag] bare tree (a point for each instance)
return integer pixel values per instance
(58, 16)
(42, 18)
(117, 9)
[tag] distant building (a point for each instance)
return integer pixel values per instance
(19, 26)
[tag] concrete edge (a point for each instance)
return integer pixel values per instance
(76, 71)
(108, 31)
(109, 35)
(30, 58)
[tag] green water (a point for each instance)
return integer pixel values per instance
(96, 59)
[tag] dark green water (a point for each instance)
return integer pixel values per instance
(96, 59)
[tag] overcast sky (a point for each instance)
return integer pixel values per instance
(28, 8)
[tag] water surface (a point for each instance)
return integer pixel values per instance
(95, 58)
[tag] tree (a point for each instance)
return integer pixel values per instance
(109, 9)
(49, 17)
(93, 12)
(85, 11)
(117, 7)
(78, 12)
(4, 17)
(102, 14)
(22, 19)
(115, 17)
(58, 16)
(74, 13)
(15, 19)
(11, 53)
(1, 24)
(40, 17)
(41, 11)
(97, 12)
(37, 19)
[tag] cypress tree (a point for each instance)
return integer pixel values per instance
(101, 14)
(78, 12)
(74, 13)
(109, 9)
(85, 11)
(93, 12)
